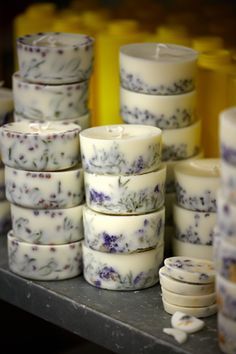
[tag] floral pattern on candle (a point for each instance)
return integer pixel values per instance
(40, 147)
(49, 102)
(44, 262)
(55, 58)
(44, 190)
(226, 297)
(177, 152)
(123, 234)
(47, 226)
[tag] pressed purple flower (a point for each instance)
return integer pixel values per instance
(138, 278)
(97, 283)
(157, 189)
(110, 242)
(108, 273)
(146, 222)
(97, 197)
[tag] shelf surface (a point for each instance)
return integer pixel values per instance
(124, 322)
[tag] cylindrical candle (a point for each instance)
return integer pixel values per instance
(49, 146)
(226, 334)
(165, 112)
(226, 217)
(226, 297)
(180, 248)
(157, 69)
(47, 226)
(197, 182)
(134, 194)
(121, 149)
(49, 102)
(194, 301)
(45, 190)
(123, 233)
(227, 135)
(55, 57)
(204, 311)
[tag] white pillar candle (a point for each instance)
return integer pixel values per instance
(6, 104)
(191, 270)
(226, 217)
(49, 226)
(227, 135)
(228, 181)
(49, 146)
(226, 261)
(45, 190)
(183, 288)
(123, 233)
(197, 182)
(226, 297)
(84, 121)
(182, 143)
(49, 102)
(121, 149)
(165, 112)
(5, 216)
(157, 69)
(170, 173)
(188, 300)
(226, 334)
(204, 311)
(44, 262)
(55, 58)
(180, 248)
(217, 237)
(122, 271)
(134, 194)
(195, 227)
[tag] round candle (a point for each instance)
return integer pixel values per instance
(45, 190)
(182, 143)
(44, 262)
(165, 112)
(55, 58)
(204, 311)
(134, 194)
(226, 217)
(49, 226)
(227, 135)
(226, 297)
(83, 121)
(157, 69)
(49, 146)
(123, 233)
(188, 300)
(228, 181)
(121, 149)
(6, 104)
(49, 102)
(197, 182)
(122, 271)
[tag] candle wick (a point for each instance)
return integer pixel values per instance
(115, 132)
(52, 41)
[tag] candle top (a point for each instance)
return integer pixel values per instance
(55, 40)
(46, 128)
(159, 52)
(199, 168)
(121, 132)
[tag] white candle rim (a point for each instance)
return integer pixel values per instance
(198, 168)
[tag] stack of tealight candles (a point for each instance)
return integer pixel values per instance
(44, 182)
(6, 108)
(225, 236)
(158, 89)
(124, 218)
(197, 183)
(53, 81)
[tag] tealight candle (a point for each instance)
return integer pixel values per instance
(182, 143)
(134, 194)
(123, 233)
(226, 297)
(83, 121)
(226, 333)
(45, 190)
(165, 112)
(194, 301)
(197, 182)
(49, 146)
(6, 104)
(121, 149)
(47, 226)
(158, 69)
(227, 135)
(195, 227)
(204, 311)
(55, 58)
(122, 271)
(49, 102)
(44, 262)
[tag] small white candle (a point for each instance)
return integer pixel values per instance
(158, 69)
(55, 57)
(227, 135)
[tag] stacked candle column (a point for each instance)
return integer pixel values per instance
(197, 182)
(6, 108)
(124, 217)
(225, 235)
(53, 81)
(44, 182)
(158, 89)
